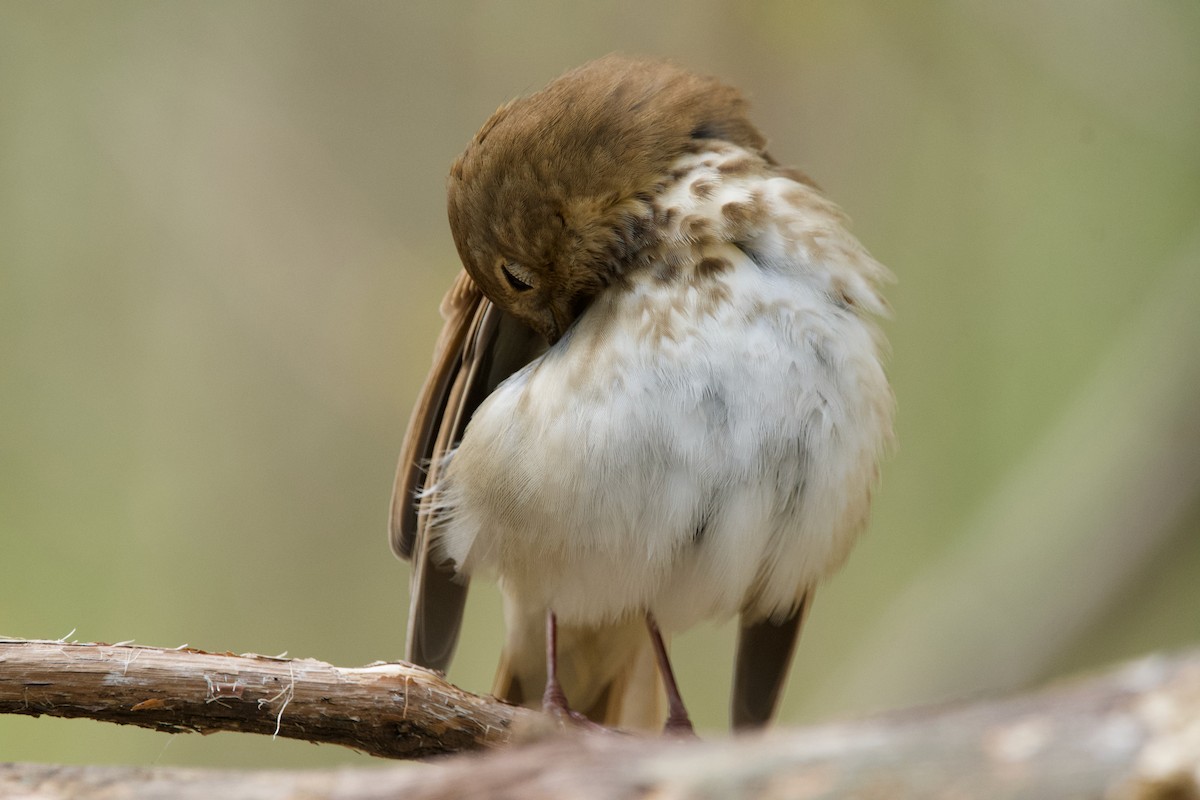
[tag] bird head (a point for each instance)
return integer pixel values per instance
(554, 197)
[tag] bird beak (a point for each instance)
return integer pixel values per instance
(556, 318)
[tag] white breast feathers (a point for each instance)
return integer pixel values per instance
(704, 439)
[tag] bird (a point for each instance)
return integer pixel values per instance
(659, 396)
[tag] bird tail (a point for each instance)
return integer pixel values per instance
(607, 672)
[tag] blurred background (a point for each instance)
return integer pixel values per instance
(223, 242)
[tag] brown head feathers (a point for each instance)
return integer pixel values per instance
(551, 199)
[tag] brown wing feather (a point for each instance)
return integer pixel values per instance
(479, 347)
(460, 307)
(764, 653)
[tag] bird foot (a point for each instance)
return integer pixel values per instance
(554, 704)
(679, 727)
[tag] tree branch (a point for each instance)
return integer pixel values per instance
(1133, 732)
(394, 710)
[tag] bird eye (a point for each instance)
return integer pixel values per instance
(519, 278)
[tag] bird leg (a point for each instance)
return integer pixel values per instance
(554, 701)
(678, 722)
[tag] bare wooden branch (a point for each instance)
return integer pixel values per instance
(395, 710)
(1130, 734)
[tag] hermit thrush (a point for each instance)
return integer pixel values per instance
(658, 397)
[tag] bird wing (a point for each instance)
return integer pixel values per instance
(764, 653)
(479, 347)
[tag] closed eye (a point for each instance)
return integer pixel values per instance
(519, 284)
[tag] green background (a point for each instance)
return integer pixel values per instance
(223, 241)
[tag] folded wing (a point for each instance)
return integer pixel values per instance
(479, 347)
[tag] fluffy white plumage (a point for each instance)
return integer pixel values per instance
(704, 440)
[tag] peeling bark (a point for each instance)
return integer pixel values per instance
(394, 710)
(1127, 734)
